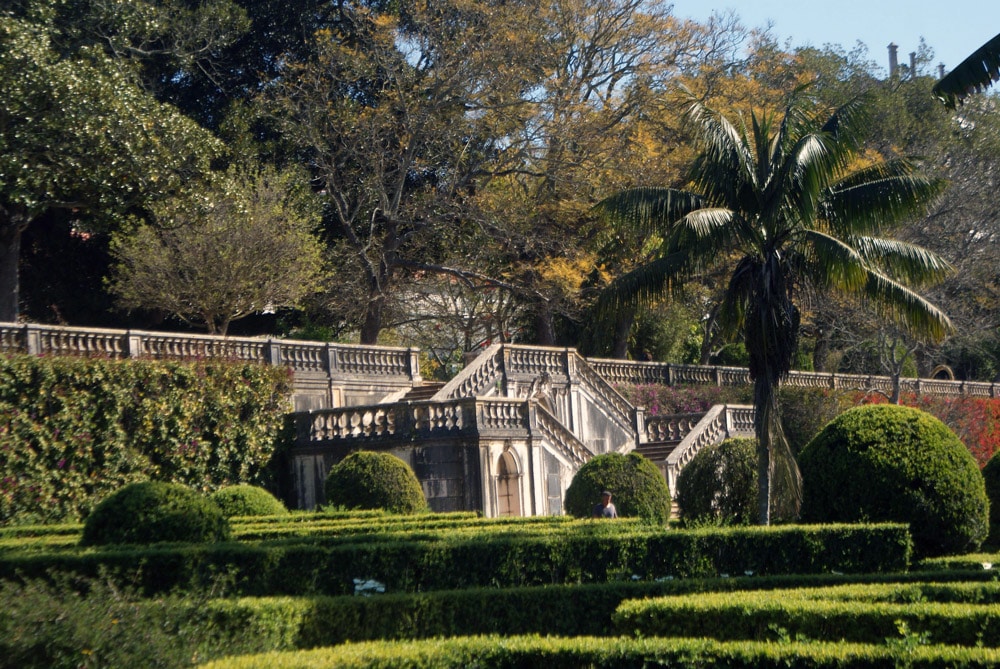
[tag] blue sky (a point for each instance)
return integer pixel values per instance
(952, 28)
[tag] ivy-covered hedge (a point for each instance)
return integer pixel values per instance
(491, 559)
(74, 430)
(571, 653)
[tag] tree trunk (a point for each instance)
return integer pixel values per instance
(10, 253)
(623, 327)
(372, 325)
(545, 332)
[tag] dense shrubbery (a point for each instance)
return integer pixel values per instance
(638, 487)
(370, 480)
(661, 400)
(895, 463)
(720, 484)
(247, 500)
(73, 430)
(153, 511)
(991, 477)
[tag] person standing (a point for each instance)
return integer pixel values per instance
(605, 509)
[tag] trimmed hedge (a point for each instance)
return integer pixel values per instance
(489, 559)
(74, 430)
(860, 614)
(637, 486)
(896, 464)
(152, 512)
(560, 610)
(572, 653)
(247, 500)
(374, 480)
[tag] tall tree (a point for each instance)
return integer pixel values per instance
(396, 115)
(781, 200)
(216, 254)
(77, 133)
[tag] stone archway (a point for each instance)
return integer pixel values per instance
(508, 485)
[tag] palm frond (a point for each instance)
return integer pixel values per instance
(726, 152)
(972, 75)
(648, 210)
(847, 126)
(906, 307)
(879, 197)
(704, 232)
(644, 284)
(909, 263)
(832, 263)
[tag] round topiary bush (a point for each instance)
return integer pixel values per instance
(895, 463)
(247, 500)
(637, 486)
(371, 480)
(719, 485)
(991, 477)
(153, 511)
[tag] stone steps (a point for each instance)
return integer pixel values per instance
(657, 451)
(422, 391)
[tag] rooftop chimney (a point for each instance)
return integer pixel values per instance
(913, 64)
(940, 70)
(893, 61)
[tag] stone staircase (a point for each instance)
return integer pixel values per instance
(657, 451)
(422, 391)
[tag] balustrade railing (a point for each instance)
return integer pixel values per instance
(300, 356)
(637, 373)
(672, 427)
(720, 422)
(476, 378)
(556, 434)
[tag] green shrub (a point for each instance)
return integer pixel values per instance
(152, 511)
(991, 478)
(496, 651)
(638, 487)
(895, 463)
(720, 484)
(370, 480)
(74, 430)
(247, 500)
(448, 558)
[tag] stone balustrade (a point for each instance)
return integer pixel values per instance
(636, 373)
(720, 422)
(671, 427)
(304, 356)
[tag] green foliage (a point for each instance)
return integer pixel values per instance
(991, 479)
(370, 480)
(72, 623)
(720, 484)
(961, 614)
(151, 512)
(491, 556)
(805, 411)
(74, 430)
(637, 486)
(247, 500)
(895, 463)
(218, 254)
(494, 652)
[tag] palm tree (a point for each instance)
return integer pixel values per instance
(781, 201)
(972, 75)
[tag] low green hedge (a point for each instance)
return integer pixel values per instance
(572, 653)
(490, 559)
(560, 610)
(967, 614)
